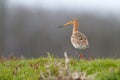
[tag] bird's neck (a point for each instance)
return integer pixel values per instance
(75, 27)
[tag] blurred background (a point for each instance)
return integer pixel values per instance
(29, 27)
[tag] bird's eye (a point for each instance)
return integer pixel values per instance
(72, 20)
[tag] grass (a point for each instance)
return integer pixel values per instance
(50, 68)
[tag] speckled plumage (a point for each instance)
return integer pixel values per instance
(79, 40)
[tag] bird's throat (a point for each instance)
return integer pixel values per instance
(75, 27)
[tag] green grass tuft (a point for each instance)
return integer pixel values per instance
(50, 67)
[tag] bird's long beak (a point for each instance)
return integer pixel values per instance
(68, 23)
(60, 26)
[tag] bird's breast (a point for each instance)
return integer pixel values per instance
(79, 41)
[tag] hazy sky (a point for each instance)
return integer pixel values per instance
(103, 5)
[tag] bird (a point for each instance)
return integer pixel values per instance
(78, 39)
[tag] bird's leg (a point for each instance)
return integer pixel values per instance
(77, 53)
(81, 56)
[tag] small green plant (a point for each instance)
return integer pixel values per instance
(50, 68)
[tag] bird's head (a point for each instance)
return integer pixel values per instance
(73, 21)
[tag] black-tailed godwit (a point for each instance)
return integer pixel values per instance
(78, 39)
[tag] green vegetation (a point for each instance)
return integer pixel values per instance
(51, 68)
